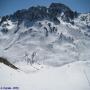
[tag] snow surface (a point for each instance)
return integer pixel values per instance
(73, 76)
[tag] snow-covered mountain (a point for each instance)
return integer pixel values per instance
(40, 39)
(53, 35)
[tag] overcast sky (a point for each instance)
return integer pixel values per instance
(10, 6)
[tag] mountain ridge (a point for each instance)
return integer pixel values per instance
(35, 13)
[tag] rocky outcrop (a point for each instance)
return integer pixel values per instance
(6, 62)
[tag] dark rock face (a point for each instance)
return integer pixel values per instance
(6, 62)
(4, 31)
(57, 8)
(19, 15)
(3, 19)
(31, 14)
(55, 20)
(40, 12)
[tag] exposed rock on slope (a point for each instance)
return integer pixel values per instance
(6, 62)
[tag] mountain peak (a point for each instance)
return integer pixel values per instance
(36, 13)
(59, 6)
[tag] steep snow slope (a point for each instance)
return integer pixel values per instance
(52, 44)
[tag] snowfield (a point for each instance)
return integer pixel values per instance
(73, 76)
